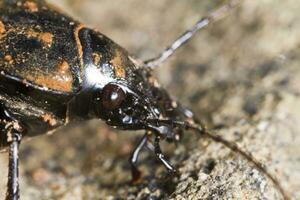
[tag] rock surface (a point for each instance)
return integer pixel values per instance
(241, 76)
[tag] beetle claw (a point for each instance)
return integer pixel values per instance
(136, 175)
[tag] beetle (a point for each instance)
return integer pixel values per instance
(54, 71)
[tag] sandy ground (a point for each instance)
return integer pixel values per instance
(241, 76)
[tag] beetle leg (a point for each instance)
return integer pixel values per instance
(13, 171)
(159, 155)
(13, 129)
(136, 174)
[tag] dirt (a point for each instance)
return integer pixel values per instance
(240, 76)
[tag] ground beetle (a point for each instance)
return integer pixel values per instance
(54, 70)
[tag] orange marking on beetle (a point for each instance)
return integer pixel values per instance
(78, 44)
(97, 58)
(45, 38)
(63, 67)
(119, 72)
(9, 59)
(2, 28)
(49, 119)
(118, 65)
(32, 33)
(59, 82)
(31, 6)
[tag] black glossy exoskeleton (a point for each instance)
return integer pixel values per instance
(54, 70)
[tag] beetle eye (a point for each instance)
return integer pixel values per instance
(112, 96)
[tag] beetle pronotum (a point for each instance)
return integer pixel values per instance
(54, 70)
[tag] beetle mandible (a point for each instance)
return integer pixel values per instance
(54, 71)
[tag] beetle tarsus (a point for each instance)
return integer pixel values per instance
(13, 171)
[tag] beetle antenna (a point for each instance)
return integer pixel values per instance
(185, 37)
(199, 128)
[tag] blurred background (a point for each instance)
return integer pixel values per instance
(241, 76)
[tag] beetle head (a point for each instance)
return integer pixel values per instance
(125, 94)
(139, 104)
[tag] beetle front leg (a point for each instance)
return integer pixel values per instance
(159, 155)
(13, 167)
(135, 172)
